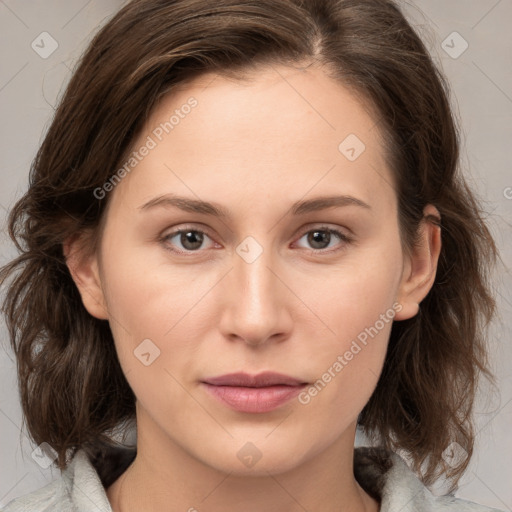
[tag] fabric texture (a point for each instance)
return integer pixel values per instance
(382, 474)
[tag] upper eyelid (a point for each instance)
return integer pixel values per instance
(175, 231)
(309, 227)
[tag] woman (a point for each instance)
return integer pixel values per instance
(247, 231)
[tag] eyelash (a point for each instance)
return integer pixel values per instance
(342, 236)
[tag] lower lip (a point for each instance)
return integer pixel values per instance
(254, 399)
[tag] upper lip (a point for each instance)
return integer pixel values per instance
(254, 381)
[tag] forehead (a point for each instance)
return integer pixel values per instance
(274, 93)
(292, 127)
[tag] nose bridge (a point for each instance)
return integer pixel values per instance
(254, 309)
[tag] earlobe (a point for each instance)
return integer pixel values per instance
(421, 267)
(84, 270)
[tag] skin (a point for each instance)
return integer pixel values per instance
(254, 148)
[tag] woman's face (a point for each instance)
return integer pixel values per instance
(264, 287)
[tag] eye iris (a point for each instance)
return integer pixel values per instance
(194, 237)
(318, 236)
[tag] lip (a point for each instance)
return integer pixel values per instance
(253, 393)
(254, 381)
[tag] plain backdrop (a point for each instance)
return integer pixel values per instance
(469, 40)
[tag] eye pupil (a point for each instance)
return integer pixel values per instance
(195, 237)
(319, 236)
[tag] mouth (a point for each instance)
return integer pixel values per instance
(254, 393)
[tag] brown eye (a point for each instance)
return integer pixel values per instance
(187, 240)
(320, 238)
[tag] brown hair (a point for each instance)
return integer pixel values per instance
(73, 391)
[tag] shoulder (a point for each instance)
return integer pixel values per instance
(52, 497)
(78, 489)
(387, 477)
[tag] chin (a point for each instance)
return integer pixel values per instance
(255, 458)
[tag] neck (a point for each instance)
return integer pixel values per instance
(164, 476)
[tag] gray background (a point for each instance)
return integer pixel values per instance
(480, 79)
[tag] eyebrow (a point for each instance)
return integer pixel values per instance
(206, 208)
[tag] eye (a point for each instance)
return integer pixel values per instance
(321, 237)
(191, 240)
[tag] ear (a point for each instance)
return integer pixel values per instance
(420, 267)
(84, 269)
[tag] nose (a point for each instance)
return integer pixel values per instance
(256, 301)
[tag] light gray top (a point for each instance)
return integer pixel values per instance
(79, 489)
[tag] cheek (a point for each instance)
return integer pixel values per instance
(357, 307)
(144, 292)
(153, 326)
(351, 296)
(160, 313)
